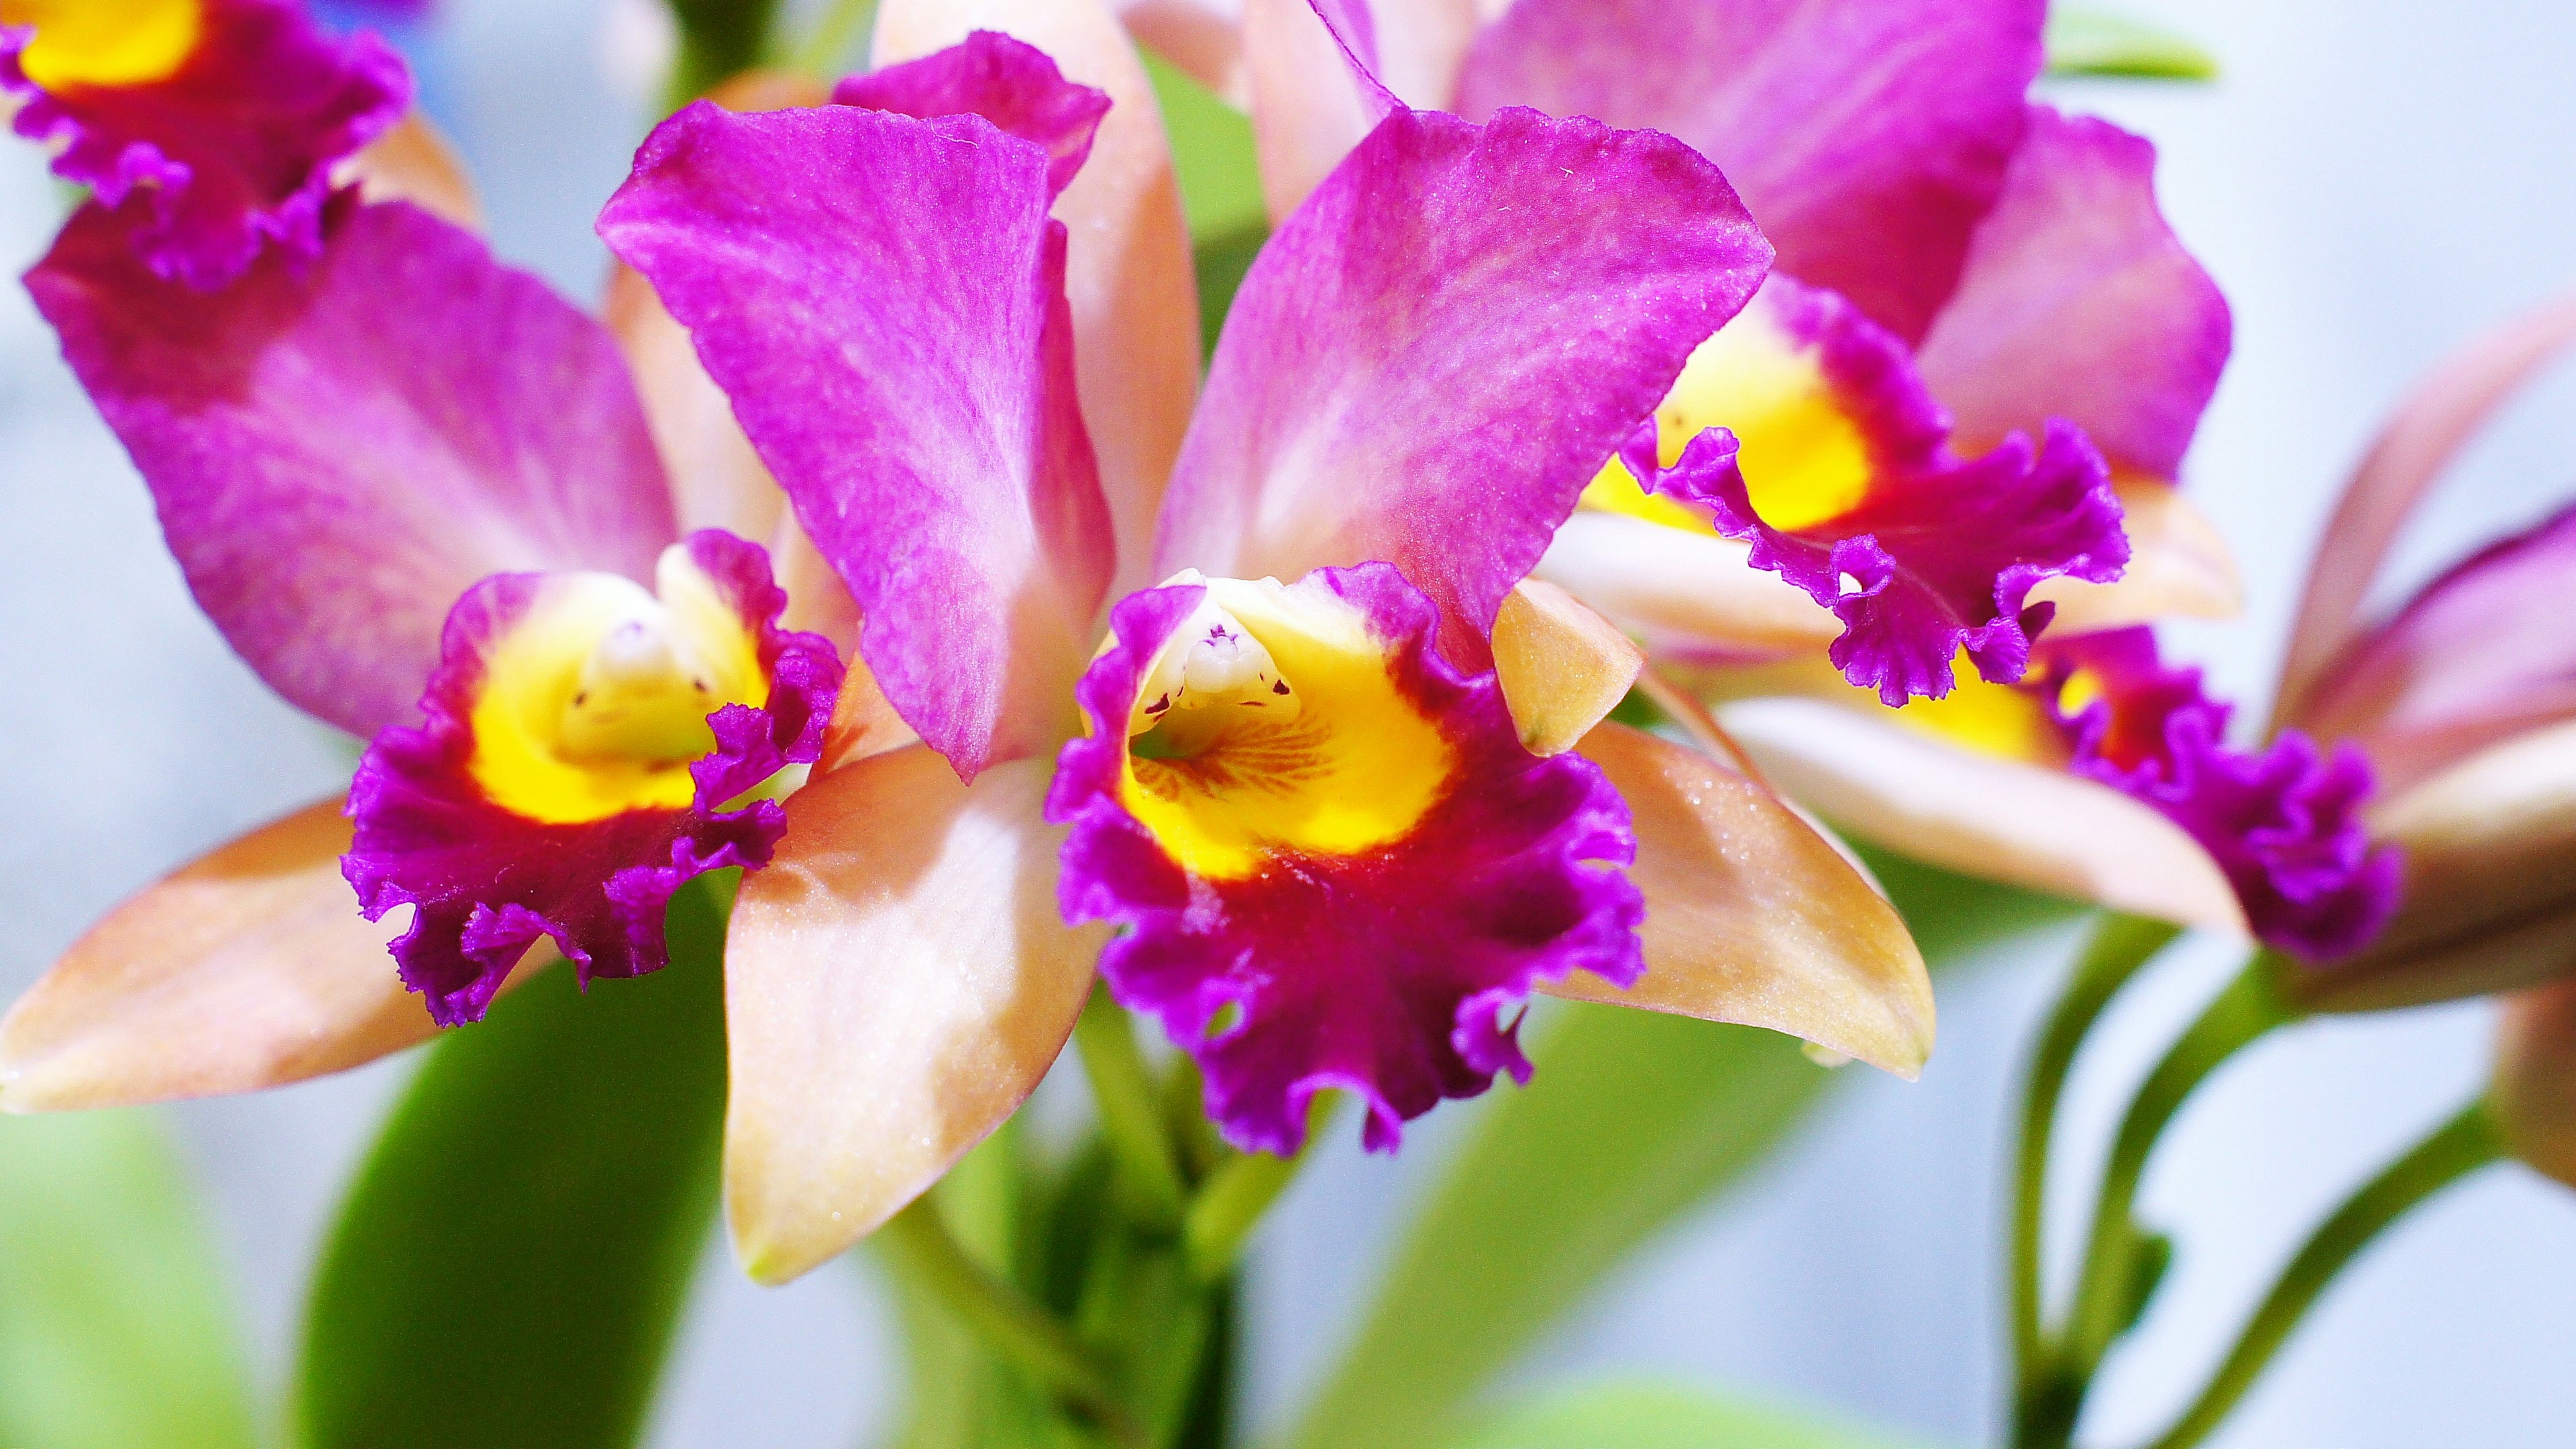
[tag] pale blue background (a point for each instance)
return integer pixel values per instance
(2373, 183)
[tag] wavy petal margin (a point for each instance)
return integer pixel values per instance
(1392, 972)
(488, 882)
(2285, 825)
(1935, 556)
(229, 153)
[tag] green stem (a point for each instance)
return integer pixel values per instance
(2459, 1147)
(2249, 1008)
(2121, 945)
(1016, 1329)
(1236, 1195)
(1131, 1114)
(2053, 1382)
(834, 37)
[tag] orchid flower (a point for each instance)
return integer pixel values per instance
(2035, 280)
(1338, 780)
(417, 492)
(1959, 272)
(209, 127)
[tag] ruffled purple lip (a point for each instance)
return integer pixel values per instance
(2284, 825)
(1941, 553)
(231, 152)
(1395, 974)
(489, 883)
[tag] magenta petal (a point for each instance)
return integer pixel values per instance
(488, 883)
(1431, 358)
(1009, 83)
(233, 150)
(1396, 974)
(2079, 303)
(339, 450)
(2284, 825)
(1940, 553)
(2481, 655)
(883, 299)
(1868, 136)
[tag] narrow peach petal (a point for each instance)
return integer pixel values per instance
(2490, 885)
(414, 162)
(1563, 666)
(2413, 448)
(1420, 46)
(1753, 917)
(2534, 1091)
(1687, 594)
(2179, 567)
(896, 982)
(247, 969)
(817, 601)
(1999, 819)
(1129, 272)
(1307, 110)
(1203, 38)
(717, 481)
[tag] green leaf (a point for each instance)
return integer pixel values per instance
(1650, 1416)
(718, 38)
(1211, 150)
(2084, 42)
(115, 1327)
(1632, 1120)
(512, 1260)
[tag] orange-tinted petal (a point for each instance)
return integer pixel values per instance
(249, 968)
(2489, 899)
(1129, 275)
(1753, 917)
(1973, 813)
(2534, 1092)
(717, 481)
(896, 982)
(415, 162)
(1563, 667)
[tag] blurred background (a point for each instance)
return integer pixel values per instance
(2371, 183)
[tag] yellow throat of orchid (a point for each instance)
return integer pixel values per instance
(1271, 724)
(596, 700)
(105, 42)
(1805, 458)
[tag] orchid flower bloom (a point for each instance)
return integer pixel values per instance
(1960, 273)
(2035, 279)
(417, 493)
(1322, 778)
(211, 127)
(2464, 700)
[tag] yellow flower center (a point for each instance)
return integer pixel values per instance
(1804, 457)
(105, 42)
(1270, 724)
(596, 700)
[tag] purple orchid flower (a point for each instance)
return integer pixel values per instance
(209, 127)
(1960, 272)
(1342, 819)
(417, 493)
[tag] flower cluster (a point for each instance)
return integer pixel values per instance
(883, 540)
